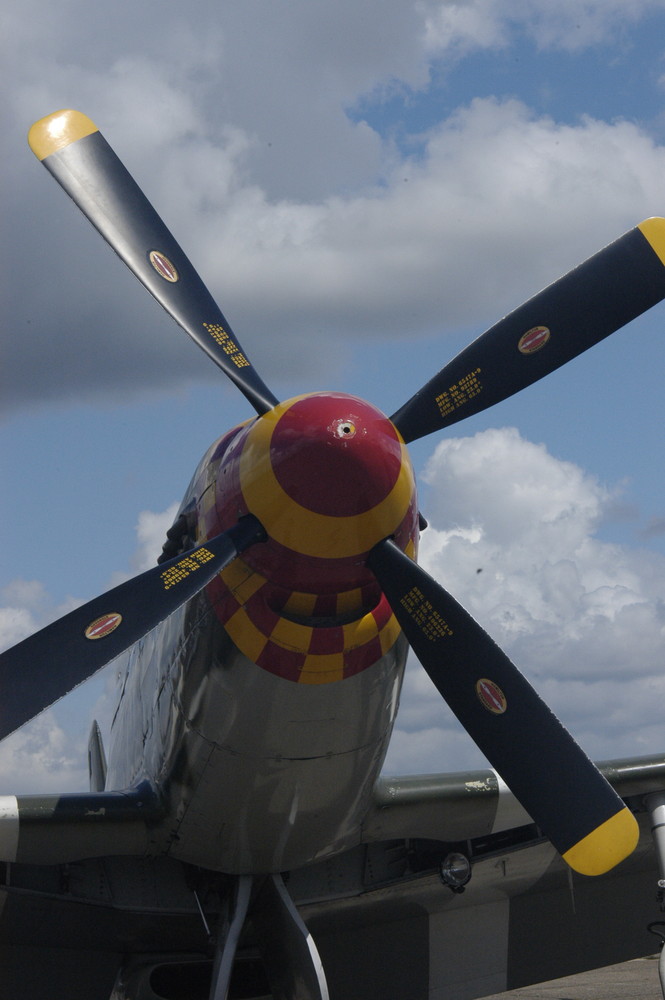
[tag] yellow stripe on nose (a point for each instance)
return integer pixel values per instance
(306, 531)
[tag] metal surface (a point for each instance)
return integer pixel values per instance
(474, 803)
(258, 773)
(229, 928)
(289, 953)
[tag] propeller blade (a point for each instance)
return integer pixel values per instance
(77, 155)
(47, 665)
(560, 788)
(577, 311)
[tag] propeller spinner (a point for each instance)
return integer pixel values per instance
(556, 783)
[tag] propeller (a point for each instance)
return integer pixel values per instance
(70, 146)
(554, 780)
(49, 664)
(561, 789)
(574, 313)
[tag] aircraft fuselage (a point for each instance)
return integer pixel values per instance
(263, 708)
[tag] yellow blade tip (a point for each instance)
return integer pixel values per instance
(654, 231)
(58, 130)
(605, 846)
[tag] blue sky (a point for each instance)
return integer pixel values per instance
(364, 189)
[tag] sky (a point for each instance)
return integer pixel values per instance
(365, 188)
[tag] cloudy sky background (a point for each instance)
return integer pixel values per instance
(365, 188)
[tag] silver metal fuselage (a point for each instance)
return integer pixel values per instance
(258, 774)
(263, 768)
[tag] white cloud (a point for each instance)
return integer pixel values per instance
(573, 25)
(151, 531)
(151, 528)
(457, 28)
(15, 624)
(23, 600)
(43, 757)
(513, 538)
(409, 253)
(453, 29)
(309, 226)
(25, 607)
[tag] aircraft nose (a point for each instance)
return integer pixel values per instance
(335, 455)
(327, 475)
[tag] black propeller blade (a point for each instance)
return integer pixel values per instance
(47, 665)
(83, 163)
(560, 788)
(571, 315)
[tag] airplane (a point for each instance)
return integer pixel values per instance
(239, 839)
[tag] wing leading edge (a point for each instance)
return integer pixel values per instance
(468, 804)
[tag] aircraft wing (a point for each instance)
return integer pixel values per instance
(56, 829)
(471, 804)
(386, 925)
(522, 918)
